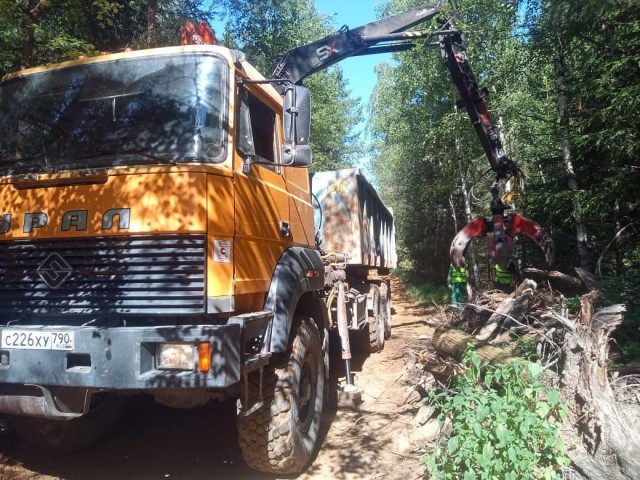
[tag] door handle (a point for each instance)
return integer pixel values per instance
(285, 229)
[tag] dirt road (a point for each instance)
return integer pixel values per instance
(154, 442)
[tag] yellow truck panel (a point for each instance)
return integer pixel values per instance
(112, 204)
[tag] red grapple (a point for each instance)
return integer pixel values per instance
(501, 243)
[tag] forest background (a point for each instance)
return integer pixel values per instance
(564, 85)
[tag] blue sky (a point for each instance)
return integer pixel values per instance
(359, 71)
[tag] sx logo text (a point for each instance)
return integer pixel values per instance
(326, 51)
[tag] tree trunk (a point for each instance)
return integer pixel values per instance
(618, 241)
(28, 44)
(453, 213)
(32, 18)
(152, 8)
(607, 447)
(567, 155)
(467, 212)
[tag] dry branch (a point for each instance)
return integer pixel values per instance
(560, 281)
(514, 307)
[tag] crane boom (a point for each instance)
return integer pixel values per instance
(301, 62)
(297, 64)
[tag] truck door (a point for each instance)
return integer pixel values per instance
(263, 229)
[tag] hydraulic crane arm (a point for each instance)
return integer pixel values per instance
(454, 53)
(299, 63)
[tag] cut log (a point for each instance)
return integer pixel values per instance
(451, 342)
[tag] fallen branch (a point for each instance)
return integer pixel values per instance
(514, 307)
(558, 280)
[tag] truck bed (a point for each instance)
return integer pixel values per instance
(353, 219)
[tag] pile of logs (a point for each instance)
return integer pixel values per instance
(601, 440)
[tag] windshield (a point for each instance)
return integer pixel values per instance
(161, 109)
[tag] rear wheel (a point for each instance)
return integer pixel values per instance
(376, 322)
(280, 436)
(73, 435)
(385, 295)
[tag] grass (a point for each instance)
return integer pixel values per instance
(422, 292)
(426, 293)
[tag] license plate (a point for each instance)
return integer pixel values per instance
(37, 340)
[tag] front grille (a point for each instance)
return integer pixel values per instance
(128, 275)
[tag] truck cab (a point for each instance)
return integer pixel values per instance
(139, 242)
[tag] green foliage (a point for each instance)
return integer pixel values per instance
(573, 304)
(525, 347)
(419, 291)
(64, 29)
(626, 289)
(422, 141)
(424, 147)
(428, 294)
(504, 425)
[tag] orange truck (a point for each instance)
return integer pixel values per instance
(157, 236)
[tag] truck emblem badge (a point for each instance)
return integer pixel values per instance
(55, 270)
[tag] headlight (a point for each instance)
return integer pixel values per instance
(176, 356)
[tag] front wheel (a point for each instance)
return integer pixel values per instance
(280, 436)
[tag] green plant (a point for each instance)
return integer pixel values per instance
(631, 349)
(626, 289)
(573, 304)
(426, 293)
(525, 347)
(504, 425)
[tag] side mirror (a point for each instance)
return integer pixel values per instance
(298, 156)
(296, 119)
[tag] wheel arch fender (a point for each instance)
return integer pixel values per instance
(299, 271)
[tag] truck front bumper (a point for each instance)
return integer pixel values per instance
(124, 358)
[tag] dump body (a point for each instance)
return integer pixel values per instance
(353, 219)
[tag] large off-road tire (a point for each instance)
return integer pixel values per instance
(281, 435)
(376, 322)
(73, 435)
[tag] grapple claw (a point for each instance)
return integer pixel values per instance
(517, 224)
(477, 228)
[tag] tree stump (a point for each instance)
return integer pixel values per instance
(608, 446)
